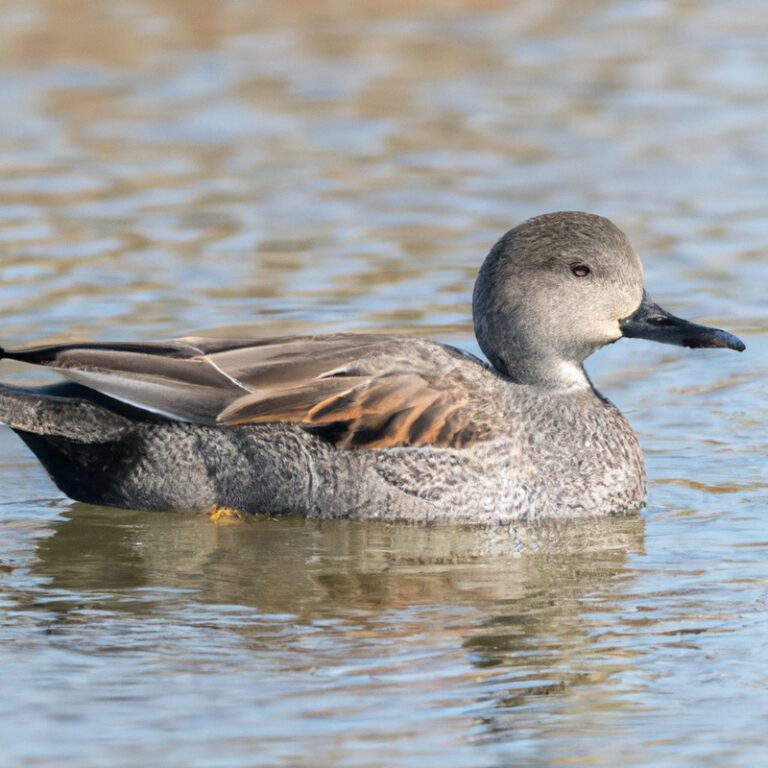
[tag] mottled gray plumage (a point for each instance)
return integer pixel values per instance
(373, 426)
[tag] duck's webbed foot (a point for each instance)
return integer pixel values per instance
(226, 515)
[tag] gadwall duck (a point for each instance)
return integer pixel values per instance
(373, 426)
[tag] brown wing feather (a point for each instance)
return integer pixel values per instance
(377, 412)
(282, 405)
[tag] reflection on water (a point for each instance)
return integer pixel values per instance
(308, 568)
(313, 166)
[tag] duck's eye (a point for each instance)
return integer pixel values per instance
(580, 270)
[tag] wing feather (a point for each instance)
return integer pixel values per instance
(375, 412)
(356, 391)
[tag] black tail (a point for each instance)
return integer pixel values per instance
(78, 435)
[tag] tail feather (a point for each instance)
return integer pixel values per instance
(42, 413)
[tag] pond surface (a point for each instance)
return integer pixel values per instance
(174, 166)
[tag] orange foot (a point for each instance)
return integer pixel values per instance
(226, 515)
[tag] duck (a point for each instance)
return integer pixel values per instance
(373, 426)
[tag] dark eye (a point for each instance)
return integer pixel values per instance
(580, 270)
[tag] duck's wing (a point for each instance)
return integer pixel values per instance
(370, 392)
(355, 390)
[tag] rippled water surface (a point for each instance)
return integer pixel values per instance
(170, 166)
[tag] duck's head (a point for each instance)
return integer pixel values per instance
(560, 286)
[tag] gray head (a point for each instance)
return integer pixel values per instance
(560, 286)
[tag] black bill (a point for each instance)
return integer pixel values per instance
(650, 321)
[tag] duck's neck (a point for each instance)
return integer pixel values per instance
(543, 371)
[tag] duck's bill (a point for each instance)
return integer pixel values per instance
(650, 321)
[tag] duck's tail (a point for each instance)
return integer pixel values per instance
(60, 411)
(77, 439)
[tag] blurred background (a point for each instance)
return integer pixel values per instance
(280, 166)
(167, 166)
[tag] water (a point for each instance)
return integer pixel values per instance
(280, 167)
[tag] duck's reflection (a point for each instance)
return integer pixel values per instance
(318, 568)
(516, 603)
